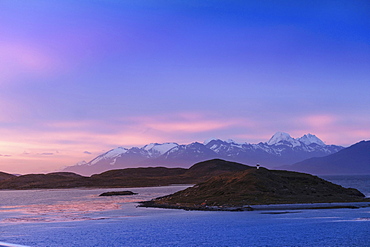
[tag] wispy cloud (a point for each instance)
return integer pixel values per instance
(47, 154)
(5, 155)
(99, 83)
(188, 123)
(191, 126)
(72, 139)
(321, 121)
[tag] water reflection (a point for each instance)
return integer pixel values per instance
(74, 205)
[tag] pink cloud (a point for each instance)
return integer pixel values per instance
(193, 127)
(334, 129)
(73, 138)
(254, 136)
(189, 123)
(319, 121)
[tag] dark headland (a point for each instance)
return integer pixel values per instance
(244, 189)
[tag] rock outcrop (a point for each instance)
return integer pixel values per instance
(118, 193)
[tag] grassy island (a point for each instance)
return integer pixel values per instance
(241, 190)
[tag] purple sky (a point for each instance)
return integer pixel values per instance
(81, 77)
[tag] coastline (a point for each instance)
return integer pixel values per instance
(79, 223)
(264, 207)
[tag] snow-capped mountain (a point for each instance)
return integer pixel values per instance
(310, 139)
(156, 149)
(281, 138)
(281, 149)
(183, 155)
(111, 156)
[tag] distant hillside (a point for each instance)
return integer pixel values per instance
(256, 187)
(130, 177)
(4, 176)
(44, 181)
(354, 160)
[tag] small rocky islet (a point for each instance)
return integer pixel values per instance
(118, 193)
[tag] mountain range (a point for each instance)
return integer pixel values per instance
(354, 160)
(281, 149)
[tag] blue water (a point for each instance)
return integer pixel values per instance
(360, 182)
(80, 218)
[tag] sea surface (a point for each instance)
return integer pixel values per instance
(79, 217)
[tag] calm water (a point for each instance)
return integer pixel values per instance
(360, 182)
(78, 217)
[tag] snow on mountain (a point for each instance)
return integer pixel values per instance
(281, 149)
(220, 146)
(310, 139)
(209, 140)
(111, 154)
(156, 149)
(116, 152)
(192, 151)
(81, 163)
(230, 141)
(279, 137)
(205, 143)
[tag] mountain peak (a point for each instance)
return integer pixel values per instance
(209, 140)
(282, 136)
(309, 139)
(230, 141)
(111, 154)
(160, 148)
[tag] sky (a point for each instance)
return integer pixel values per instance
(78, 78)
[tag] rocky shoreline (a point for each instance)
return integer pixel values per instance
(266, 207)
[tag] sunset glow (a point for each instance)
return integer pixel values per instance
(80, 78)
